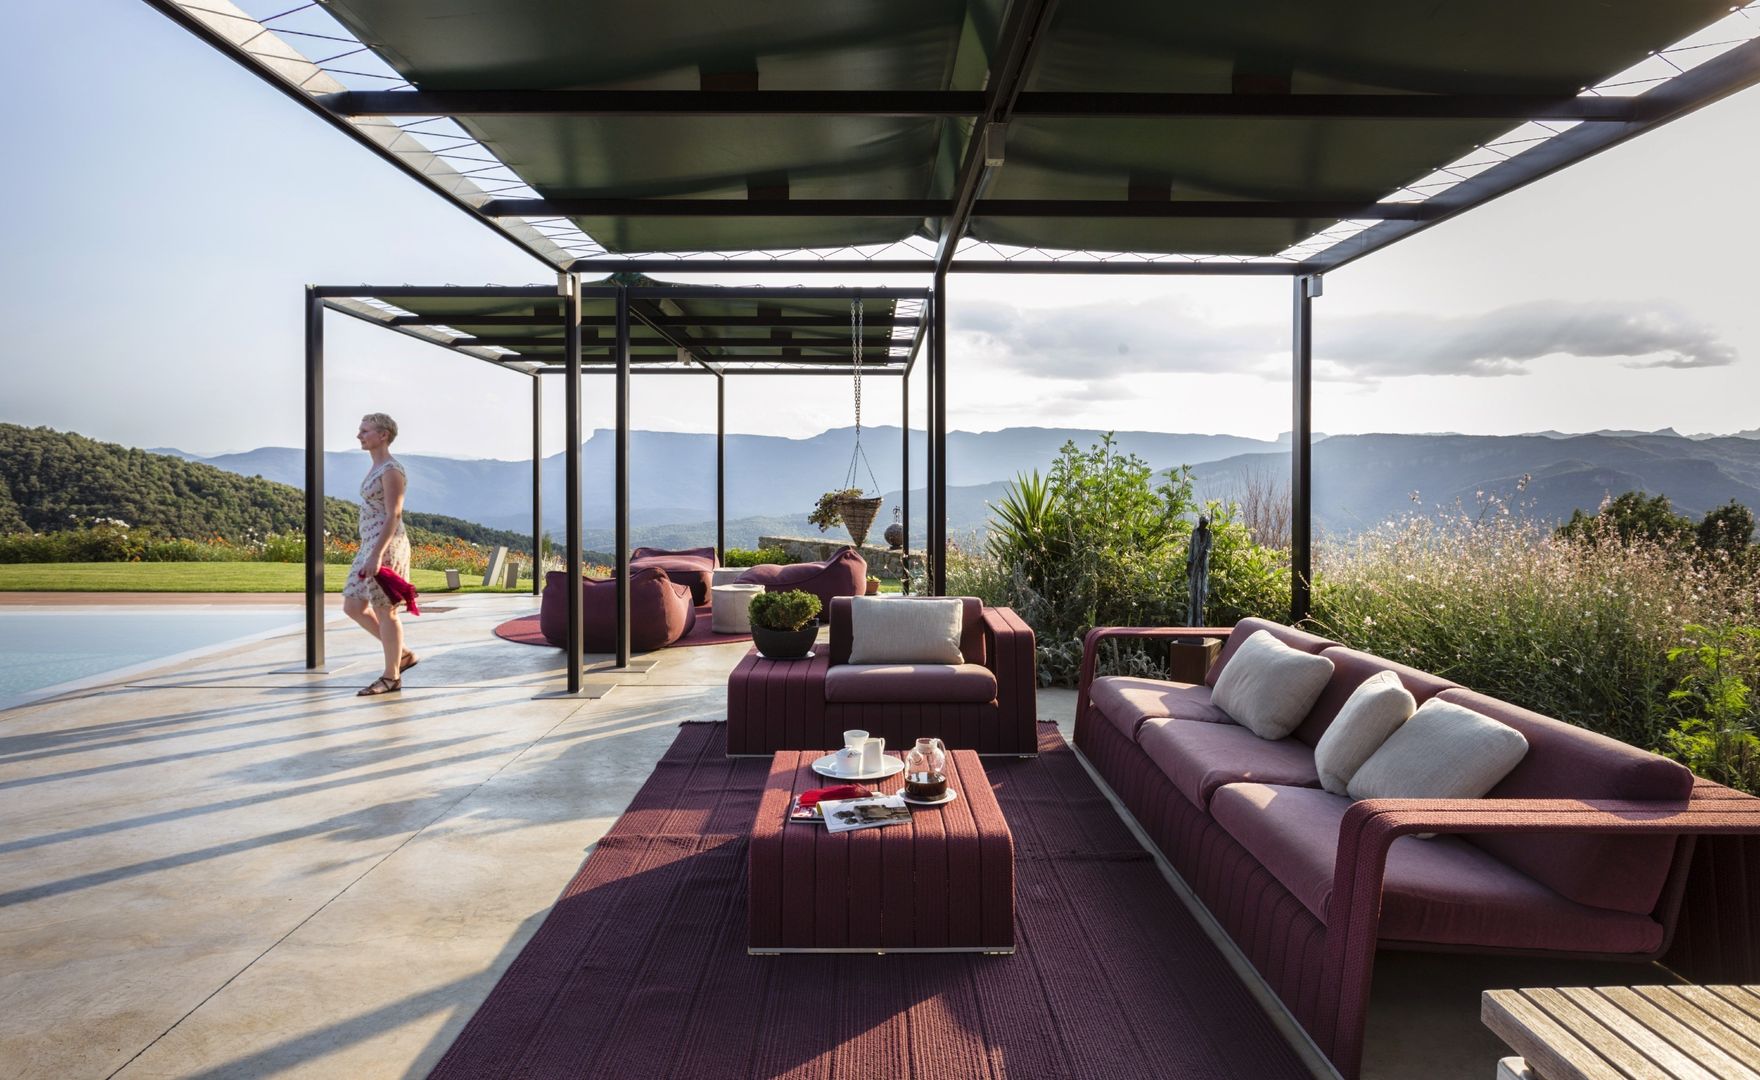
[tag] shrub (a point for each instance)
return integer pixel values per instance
(789, 610)
(1718, 739)
(755, 556)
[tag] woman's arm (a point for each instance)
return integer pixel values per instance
(394, 484)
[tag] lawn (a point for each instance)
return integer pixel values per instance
(230, 577)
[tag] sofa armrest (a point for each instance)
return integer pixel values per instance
(1013, 657)
(1091, 648)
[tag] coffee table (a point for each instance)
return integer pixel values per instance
(943, 883)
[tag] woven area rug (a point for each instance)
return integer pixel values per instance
(640, 970)
(524, 631)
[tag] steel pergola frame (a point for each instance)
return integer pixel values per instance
(370, 304)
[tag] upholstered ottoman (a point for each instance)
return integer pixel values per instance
(943, 883)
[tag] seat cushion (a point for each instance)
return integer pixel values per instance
(1126, 702)
(1199, 758)
(952, 684)
(1441, 891)
(1268, 687)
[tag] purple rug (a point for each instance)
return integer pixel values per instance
(640, 970)
(525, 631)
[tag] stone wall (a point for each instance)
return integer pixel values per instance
(882, 562)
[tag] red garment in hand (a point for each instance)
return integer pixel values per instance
(399, 590)
(810, 799)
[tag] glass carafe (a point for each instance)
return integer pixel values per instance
(925, 770)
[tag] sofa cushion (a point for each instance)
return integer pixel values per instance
(1268, 686)
(1349, 669)
(944, 683)
(974, 645)
(1375, 710)
(892, 631)
(1445, 751)
(1443, 891)
(1127, 701)
(1246, 628)
(1625, 873)
(1199, 758)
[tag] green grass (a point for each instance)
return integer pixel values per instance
(242, 577)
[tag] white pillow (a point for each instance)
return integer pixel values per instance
(1445, 751)
(1267, 687)
(1375, 710)
(905, 631)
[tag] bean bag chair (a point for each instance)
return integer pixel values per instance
(660, 610)
(844, 574)
(692, 567)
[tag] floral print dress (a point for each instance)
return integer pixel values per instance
(375, 518)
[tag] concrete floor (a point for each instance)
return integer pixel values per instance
(223, 871)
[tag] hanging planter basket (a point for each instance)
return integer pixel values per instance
(858, 516)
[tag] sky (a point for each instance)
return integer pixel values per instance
(167, 208)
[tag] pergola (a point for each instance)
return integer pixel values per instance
(937, 137)
(620, 328)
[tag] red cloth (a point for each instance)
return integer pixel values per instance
(810, 799)
(399, 590)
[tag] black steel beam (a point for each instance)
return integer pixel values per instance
(1215, 267)
(665, 335)
(840, 372)
(1301, 480)
(571, 457)
(938, 435)
(986, 208)
(761, 292)
(648, 313)
(904, 469)
(720, 468)
(1717, 78)
(314, 561)
(713, 321)
(537, 486)
(962, 103)
(443, 292)
(621, 467)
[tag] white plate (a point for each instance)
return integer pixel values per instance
(943, 801)
(827, 766)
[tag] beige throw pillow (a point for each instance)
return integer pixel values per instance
(913, 631)
(1267, 687)
(1374, 711)
(1445, 751)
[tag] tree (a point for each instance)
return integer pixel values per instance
(1729, 528)
(1631, 517)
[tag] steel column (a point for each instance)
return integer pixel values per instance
(537, 484)
(720, 468)
(904, 470)
(1300, 447)
(621, 467)
(938, 435)
(314, 479)
(571, 457)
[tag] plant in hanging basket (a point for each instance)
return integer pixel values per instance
(826, 513)
(858, 515)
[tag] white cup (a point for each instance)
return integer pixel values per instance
(873, 753)
(854, 737)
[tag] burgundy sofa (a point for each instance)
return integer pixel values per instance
(691, 567)
(1582, 850)
(844, 574)
(660, 610)
(986, 704)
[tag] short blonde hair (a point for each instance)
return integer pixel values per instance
(383, 423)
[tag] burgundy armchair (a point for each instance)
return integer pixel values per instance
(844, 574)
(691, 567)
(660, 610)
(986, 704)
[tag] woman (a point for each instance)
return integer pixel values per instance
(383, 544)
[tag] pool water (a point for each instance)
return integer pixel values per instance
(44, 647)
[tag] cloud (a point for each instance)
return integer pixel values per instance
(1104, 344)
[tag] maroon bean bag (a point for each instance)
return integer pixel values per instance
(844, 574)
(692, 567)
(660, 610)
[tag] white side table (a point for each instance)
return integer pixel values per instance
(730, 608)
(727, 575)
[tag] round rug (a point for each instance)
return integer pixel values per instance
(524, 631)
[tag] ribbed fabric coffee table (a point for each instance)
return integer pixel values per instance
(943, 883)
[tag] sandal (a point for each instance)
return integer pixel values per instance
(407, 661)
(381, 685)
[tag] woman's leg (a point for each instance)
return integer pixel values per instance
(358, 610)
(391, 637)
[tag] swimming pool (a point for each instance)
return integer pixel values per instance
(46, 648)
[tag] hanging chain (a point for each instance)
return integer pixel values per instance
(855, 348)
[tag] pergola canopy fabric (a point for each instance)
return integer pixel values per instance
(1266, 51)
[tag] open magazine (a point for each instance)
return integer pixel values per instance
(843, 815)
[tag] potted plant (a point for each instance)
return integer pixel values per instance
(873, 585)
(848, 507)
(782, 624)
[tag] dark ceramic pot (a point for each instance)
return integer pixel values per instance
(894, 536)
(785, 644)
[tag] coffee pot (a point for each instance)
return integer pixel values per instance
(925, 770)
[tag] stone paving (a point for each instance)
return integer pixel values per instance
(225, 871)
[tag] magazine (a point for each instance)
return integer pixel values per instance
(843, 815)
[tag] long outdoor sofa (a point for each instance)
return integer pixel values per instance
(1581, 850)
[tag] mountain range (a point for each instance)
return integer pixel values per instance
(773, 482)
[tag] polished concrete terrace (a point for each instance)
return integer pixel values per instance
(227, 870)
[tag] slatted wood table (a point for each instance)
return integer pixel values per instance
(1620, 1032)
(943, 883)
